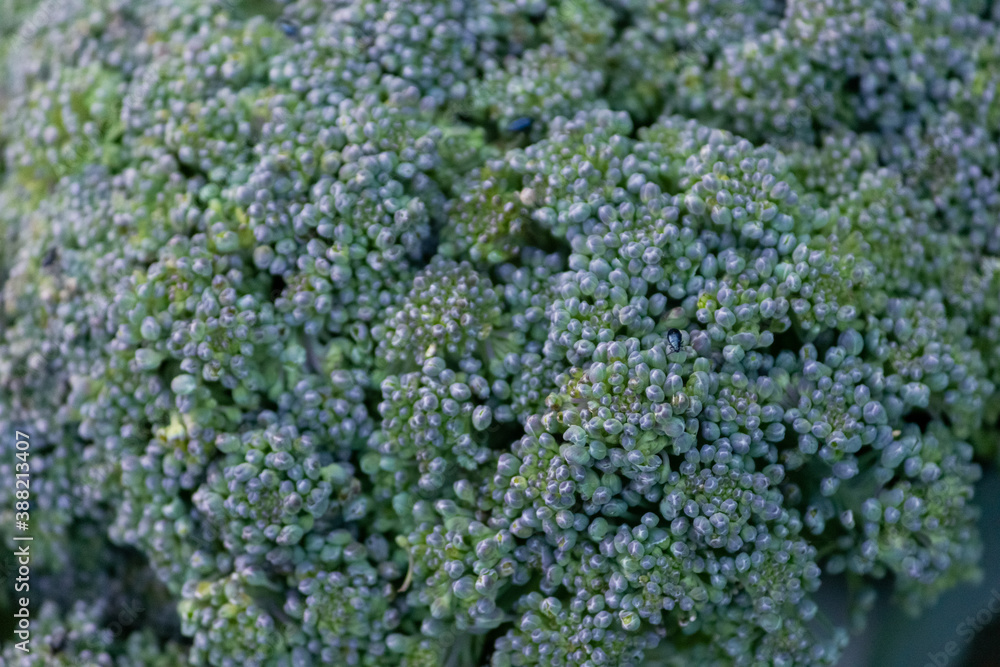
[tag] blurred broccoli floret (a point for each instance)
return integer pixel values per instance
(587, 333)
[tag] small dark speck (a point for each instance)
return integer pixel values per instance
(289, 29)
(522, 124)
(50, 257)
(674, 339)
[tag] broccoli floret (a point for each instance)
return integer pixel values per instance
(585, 333)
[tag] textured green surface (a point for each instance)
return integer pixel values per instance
(343, 331)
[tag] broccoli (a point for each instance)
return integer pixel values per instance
(577, 333)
